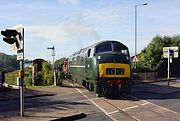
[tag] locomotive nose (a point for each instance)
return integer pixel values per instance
(114, 70)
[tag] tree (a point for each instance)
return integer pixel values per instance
(59, 62)
(47, 73)
(151, 58)
(8, 63)
(58, 69)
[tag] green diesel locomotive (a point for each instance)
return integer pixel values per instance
(104, 67)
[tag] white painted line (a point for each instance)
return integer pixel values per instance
(96, 105)
(130, 107)
(94, 99)
(144, 103)
(136, 106)
(64, 108)
(87, 100)
(113, 112)
(108, 114)
(153, 104)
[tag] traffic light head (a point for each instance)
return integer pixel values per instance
(9, 33)
(9, 36)
(9, 40)
(14, 36)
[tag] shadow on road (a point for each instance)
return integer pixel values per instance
(72, 118)
(159, 90)
(145, 91)
(43, 104)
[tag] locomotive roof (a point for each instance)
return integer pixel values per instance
(103, 41)
(100, 42)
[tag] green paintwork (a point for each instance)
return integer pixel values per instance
(83, 67)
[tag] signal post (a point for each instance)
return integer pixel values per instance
(170, 53)
(15, 37)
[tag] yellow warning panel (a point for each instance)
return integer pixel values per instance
(21, 73)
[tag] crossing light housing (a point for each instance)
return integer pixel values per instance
(14, 37)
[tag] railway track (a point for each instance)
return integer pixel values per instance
(120, 110)
(127, 107)
(109, 114)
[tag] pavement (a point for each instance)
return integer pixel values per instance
(36, 114)
(159, 86)
(69, 114)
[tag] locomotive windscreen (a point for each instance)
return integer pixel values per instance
(112, 47)
(104, 48)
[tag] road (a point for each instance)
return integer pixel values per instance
(168, 100)
(77, 103)
(55, 106)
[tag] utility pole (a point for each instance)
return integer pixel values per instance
(135, 36)
(21, 74)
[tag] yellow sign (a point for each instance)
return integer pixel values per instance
(21, 73)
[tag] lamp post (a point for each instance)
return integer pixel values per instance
(135, 43)
(53, 54)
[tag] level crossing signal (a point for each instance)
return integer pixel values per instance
(14, 36)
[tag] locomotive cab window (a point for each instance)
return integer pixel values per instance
(104, 48)
(89, 52)
(120, 48)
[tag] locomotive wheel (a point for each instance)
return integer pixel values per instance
(87, 85)
(103, 91)
(84, 83)
(91, 87)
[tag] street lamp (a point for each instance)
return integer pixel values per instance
(53, 54)
(135, 43)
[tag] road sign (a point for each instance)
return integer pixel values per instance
(173, 50)
(20, 56)
(169, 53)
(135, 59)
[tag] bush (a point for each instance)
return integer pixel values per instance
(38, 79)
(47, 73)
(11, 78)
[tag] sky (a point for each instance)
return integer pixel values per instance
(70, 25)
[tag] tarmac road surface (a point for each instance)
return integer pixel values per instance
(151, 102)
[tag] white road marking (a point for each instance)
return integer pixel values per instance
(130, 107)
(136, 106)
(144, 103)
(96, 105)
(94, 99)
(113, 112)
(153, 104)
(85, 100)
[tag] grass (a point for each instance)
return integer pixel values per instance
(36, 87)
(49, 86)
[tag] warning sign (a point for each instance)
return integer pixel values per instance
(135, 59)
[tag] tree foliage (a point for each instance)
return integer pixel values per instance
(151, 57)
(8, 63)
(60, 61)
(47, 73)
